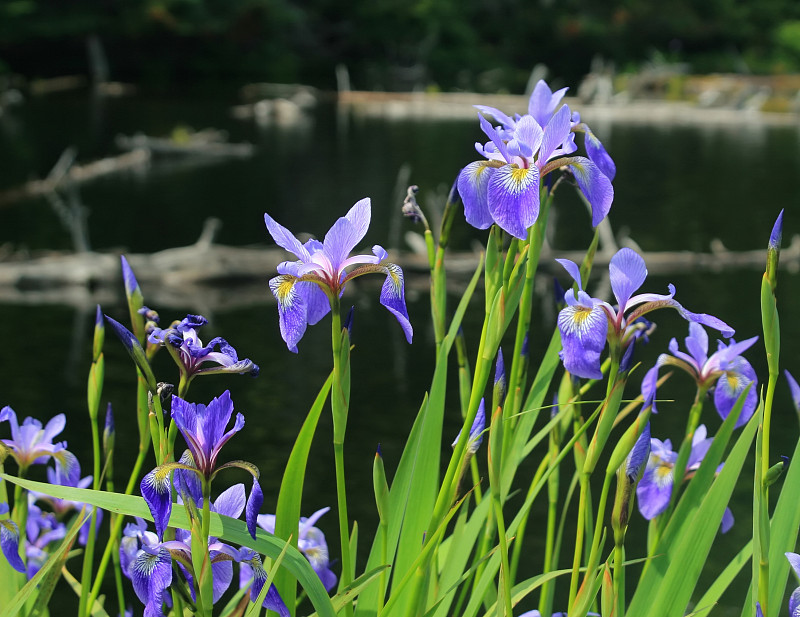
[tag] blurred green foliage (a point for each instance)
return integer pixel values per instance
(393, 44)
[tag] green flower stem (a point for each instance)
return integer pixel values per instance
(340, 398)
(116, 529)
(515, 385)
(438, 272)
(95, 389)
(506, 581)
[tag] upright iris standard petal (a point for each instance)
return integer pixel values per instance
(513, 198)
(628, 272)
(202, 427)
(544, 101)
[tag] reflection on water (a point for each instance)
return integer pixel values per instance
(677, 188)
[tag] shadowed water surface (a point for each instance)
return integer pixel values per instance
(676, 188)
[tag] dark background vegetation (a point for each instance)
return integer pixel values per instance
(477, 45)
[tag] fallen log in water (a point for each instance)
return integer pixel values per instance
(135, 159)
(228, 275)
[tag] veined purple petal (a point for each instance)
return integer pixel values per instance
(231, 502)
(254, 503)
(151, 575)
(594, 185)
(157, 492)
(700, 445)
(543, 102)
(393, 298)
(359, 217)
(9, 543)
(513, 198)
(252, 568)
(655, 489)
(528, 132)
(649, 384)
(598, 155)
(555, 133)
(573, 270)
(497, 140)
(341, 238)
(291, 309)
(473, 186)
(628, 272)
(187, 482)
(315, 301)
(697, 343)
(730, 386)
(498, 115)
(583, 338)
(794, 561)
(794, 603)
(285, 238)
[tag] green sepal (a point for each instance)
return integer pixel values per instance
(99, 335)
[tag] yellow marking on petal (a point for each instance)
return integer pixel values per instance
(581, 314)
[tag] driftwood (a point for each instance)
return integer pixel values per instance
(208, 142)
(205, 273)
(135, 159)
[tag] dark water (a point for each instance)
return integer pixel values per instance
(677, 188)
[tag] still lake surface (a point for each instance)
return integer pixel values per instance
(677, 188)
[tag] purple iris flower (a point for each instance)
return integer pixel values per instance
(63, 506)
(504, 188)
(305, 289)
(586, 323)
(311, 542)
(726, 368)
(192, 354)
(9, 539)
(30, 444)
(41, 528)
(203, 428)
(655, 489)
(794, 599)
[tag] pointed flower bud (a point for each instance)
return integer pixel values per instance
(476, 432)
(109, 432)
(500, 387)
(135, 350)
(776, 471)
(99, 334)
(774, 251)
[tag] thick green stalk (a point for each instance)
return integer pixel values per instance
(340, 399)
